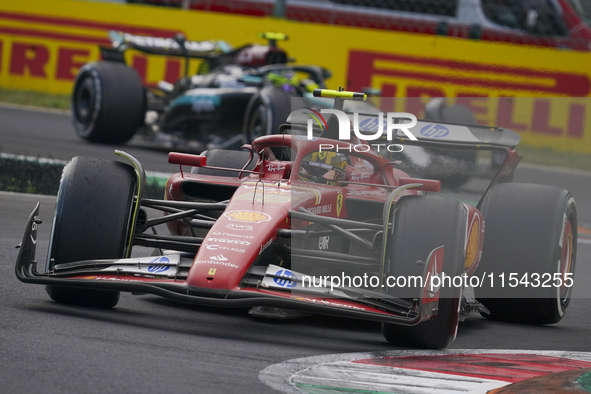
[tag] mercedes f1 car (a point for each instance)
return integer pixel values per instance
(236, 95)
(317, 225)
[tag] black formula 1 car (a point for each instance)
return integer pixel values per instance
(235, 96)
(319, 225)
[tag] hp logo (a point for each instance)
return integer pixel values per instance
(434, 131)
(161, 264)
(372, 124)
(286, 279)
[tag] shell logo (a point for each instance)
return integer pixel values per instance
(247, 216)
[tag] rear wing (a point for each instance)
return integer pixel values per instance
(427, 132)
(445, 133)
(167, 46)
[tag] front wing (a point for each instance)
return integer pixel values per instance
(364, 305)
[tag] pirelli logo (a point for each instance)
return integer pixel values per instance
(505, 96)
(50, 50)
(417, 75)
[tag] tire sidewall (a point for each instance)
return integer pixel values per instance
(88, 71)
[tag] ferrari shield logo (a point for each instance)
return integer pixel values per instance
(339, 204)
(211, 271)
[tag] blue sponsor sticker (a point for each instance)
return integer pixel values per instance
(159, 265)
(372, 124)
(286, 279)
(434, 131)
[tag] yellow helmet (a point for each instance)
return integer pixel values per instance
(323, 167)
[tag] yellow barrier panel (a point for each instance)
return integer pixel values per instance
(44, 42)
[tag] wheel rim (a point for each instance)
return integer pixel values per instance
(85, 102)
(566, 262)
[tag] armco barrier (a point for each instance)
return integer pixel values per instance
(44, 42)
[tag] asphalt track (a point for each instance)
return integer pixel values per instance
(151, 345)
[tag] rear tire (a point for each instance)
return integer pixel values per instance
(422, 224)
(530, 229)
(265, 113)
(92, 219)
(108, 102)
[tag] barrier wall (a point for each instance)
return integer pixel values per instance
(44, 42)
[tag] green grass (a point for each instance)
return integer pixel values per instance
(550, 157)
(543, 156)
(36, 99)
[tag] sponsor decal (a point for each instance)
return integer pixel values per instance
(155, 269)
(233, 235)
(247, 216)
(274, 168)
(323, 242)
(434, 131)
(372, 124)
(288, 279)
(229, 241)
(265, 246)
(205, 103)
(359, 176)
(239, 227)
(146, 265)
(339, 204)
(221, 247)
(159, 265)
(219, 257)
(213, 262)
(320, 209)
(113, 279)
(414, 76)
(168, 43)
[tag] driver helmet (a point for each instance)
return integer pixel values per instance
(323, 167)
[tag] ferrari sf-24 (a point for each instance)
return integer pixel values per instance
(295, 225)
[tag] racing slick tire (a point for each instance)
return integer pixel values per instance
(92, 217)
(422, 224)
(108, 102)
(265, 113)
(531, 235)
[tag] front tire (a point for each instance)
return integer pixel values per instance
(108, 102)
(530, 229)
(421, 225)
(92, 218)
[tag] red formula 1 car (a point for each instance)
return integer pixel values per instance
(319, 225)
